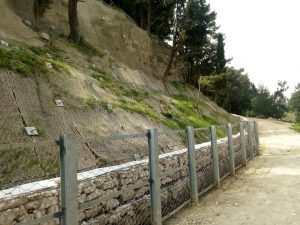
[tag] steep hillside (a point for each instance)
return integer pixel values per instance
(88, 79)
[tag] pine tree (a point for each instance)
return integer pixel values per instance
(294, 102)
(198, 47)
(177, 35)
(162, 18)
(220, 55)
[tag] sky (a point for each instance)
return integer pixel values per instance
(263, 37)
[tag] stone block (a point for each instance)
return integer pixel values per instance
(38, 213)
(111, 204)
(8, 216)
(13, 203)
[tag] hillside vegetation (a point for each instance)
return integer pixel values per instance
(89, 80)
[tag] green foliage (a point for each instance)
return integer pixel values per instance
(21, 61)
(182, 86)
(274, 105)
(112, 85)
(188, 114)
(84, 49)
(177, 111)
(108, 82)
(178, 115)
(192, 27)
(220, 60)
(225, 90)
(91, 102)
(279, 100)
(137, 94)
(104, 105)
(35, 122)
(163, 20)
(199, 29)
(29, 60)
(136, 9)
(262, 102)
(296, 127)
(294, 102)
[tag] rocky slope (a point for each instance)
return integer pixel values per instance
(121, 68)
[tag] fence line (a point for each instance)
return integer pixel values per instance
(143, 192)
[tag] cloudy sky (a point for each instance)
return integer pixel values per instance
(262, 36)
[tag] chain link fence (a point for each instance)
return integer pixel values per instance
(204, 160)
(223, 153)
(134, 190)
(119, 194)
(237, 147)
(174, 181)
(29, 182)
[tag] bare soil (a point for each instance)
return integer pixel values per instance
(266, 192)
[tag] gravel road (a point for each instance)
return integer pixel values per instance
(267, 192)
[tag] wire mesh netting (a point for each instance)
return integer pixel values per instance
(174, 176)
(246, 140)
(223, 153)
(29, 183)
(254, 141)
(120, 193)
(238, 157)
(204, 160)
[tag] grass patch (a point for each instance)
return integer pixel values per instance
(25, 165)
(178, 111)
(296, 127)
(84, 49)
(92, 102)
(182, 86)
(35, 122)
(108, 82)
(28, 61)
(104, 104)
(113, 86)
(188, 114)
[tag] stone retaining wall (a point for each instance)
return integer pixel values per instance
(124, 189)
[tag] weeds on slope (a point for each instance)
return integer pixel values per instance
(176, 111)
(30, 60)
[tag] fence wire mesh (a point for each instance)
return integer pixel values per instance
(202, 135)
(174, 175)
(246, 135)
(111, 190)
(237, 150)
(120, 193)
(29, 184)
(204, 160)
(223, 152)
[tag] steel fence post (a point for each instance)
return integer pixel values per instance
(156, 216)
(230, 150)
(68, 175)
(192, 164)
(214, 149)
(250, 140)
(256, 137)
(242, 141)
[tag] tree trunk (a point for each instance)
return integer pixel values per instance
(35, 13)
(173, 51)
(149, 17)
(73, 21)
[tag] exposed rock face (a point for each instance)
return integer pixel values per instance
(124, 192)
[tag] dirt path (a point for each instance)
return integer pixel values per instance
(267, 192)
